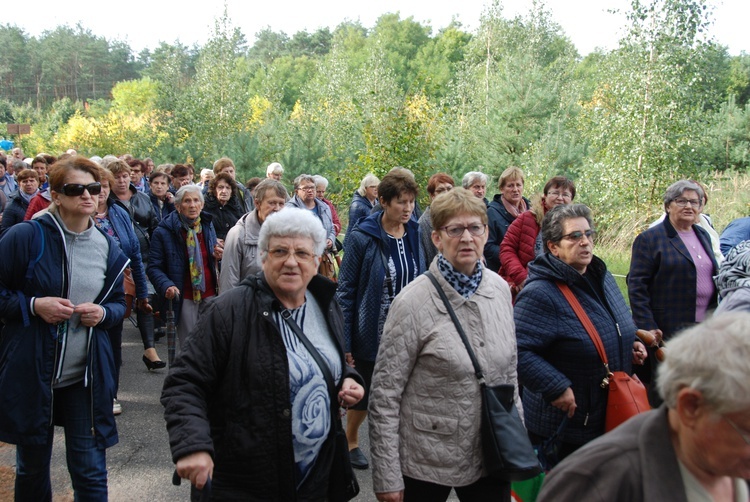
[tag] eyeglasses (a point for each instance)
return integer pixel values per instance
(744, 435)
(694, 203)
(578, 236)
(555, 194)
(307, 189)
(282, 254)
(455, 231)
(76, 189)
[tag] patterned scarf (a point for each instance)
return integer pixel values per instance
(465, 285)
(514, 210)
(195, 258)
(735, 271)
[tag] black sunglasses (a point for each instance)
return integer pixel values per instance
(76, 189)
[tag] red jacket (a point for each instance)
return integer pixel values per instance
(517, 248)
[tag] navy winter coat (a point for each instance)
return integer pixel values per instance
(168, 261)
(14, 212)
(160, 212)
(359, 209)
(37, 267)
(498, 221)
(129, 244)
(555, 351)
(361, 279)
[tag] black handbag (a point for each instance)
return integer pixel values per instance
(342, 483)
(507, 450)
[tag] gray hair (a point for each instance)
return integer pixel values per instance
(274, 168)
(292, 222)
(185, 189)
(472, 177)
(367, 181)
(677, 188)
(270, 185)
(320, 180)
(711, 358)
(302, 178)
(552, 224)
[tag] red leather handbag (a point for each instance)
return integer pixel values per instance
(627, 396)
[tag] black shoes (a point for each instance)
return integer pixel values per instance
(153, 365)
(358, 459)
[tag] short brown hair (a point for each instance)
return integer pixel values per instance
(436, 179)
(62, 168)
(226, 179)
(394, 184)
(119, 166)
(561, 182)
(27, 173)
(458, 201)
(223, 162)
(272, 186)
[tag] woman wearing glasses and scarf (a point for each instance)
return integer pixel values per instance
(558, 364)
(56, 363)
(672, 266)
(182, 261)
(425, 401)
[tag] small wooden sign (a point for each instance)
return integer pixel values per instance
(19, 129)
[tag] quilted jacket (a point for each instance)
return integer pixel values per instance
(14, 212)
(359, 209)
(517, 249)
(499, 219)
(555, 351)
(361, 279)
(425, 402)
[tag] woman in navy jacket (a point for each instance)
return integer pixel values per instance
(55, 342)
(366, 287)
(171, 272)
(558, 364)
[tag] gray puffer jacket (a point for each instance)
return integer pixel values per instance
(240, 257)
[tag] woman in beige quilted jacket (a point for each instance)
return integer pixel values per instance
(425, 401)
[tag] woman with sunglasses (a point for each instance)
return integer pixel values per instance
(425, 401)
(558, 364)
(61, 289)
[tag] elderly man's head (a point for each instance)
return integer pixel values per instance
(705, 383)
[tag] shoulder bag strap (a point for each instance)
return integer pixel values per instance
(286, 314)
(587, 324)
(462, 334)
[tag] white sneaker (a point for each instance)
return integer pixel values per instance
(116, 407)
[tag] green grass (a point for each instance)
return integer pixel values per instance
(618, 263)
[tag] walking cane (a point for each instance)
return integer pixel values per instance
(171, 332)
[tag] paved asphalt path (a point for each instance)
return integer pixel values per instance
(140, 465)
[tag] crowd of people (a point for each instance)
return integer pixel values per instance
(283, 323)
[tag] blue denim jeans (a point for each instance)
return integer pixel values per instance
(87, 464)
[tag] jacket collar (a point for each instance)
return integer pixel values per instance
(321, 288)
(661, 478)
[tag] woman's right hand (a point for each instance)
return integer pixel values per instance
(197, 467)
(172, 292)
(390, 496)
(53, 310)
(566, 402)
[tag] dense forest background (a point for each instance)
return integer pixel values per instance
(668, 103)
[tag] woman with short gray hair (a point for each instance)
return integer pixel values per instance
(672, 266)
(363, 200)
(558, 364)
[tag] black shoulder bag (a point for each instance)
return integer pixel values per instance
(342, 483)
(508, 454)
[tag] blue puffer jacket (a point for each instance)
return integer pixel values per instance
(168, 261)
(164, 210)
(359, 209)
(361, 278)
(36, 266)
(129, 244)
(14, 212)
(555, 351)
